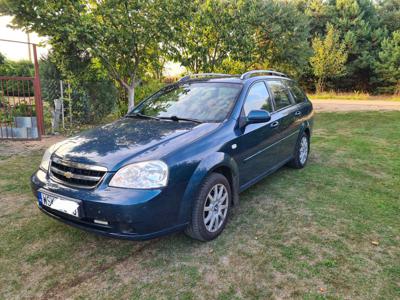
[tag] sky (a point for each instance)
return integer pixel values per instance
(16, 51)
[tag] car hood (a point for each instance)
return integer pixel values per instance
(130, 139)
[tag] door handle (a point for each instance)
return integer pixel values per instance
(297, 113)
(274, 124)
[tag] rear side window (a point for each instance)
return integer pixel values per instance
(280, 93)
(257, 98)
(297, 93)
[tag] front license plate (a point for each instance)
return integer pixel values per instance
(59, 203)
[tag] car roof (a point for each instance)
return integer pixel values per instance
(238, 79)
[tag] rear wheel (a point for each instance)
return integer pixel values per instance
(211, 208)
(301, 152)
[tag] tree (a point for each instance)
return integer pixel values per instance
(329, 57)
(319, 12)
(389, 14)
(357, 24)
(388, 64)
(281, 37)
(122, 35)
(214, 30)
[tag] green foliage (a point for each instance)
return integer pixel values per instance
(329, 57)
(93, 93)
(389, 14)
(23, 110)
(2, 59)
(145, 89)
(17, 68)
(228, 36)
(123, 36)
(388, 64)
(358, 26)
(361, 25)
(281, 33)
(50, 77)
(91, 101)
(212, 32)
(20, 110)
(130, 41)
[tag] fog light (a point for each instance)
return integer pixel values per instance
(101, 222)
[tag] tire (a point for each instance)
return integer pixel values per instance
(301, 152)
(208, 207)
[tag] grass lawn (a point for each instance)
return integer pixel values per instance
(331, 230)
(352, 96)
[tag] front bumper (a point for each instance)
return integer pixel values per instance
(129, 213)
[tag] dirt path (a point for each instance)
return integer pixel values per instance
(9, 148)
(354, 105)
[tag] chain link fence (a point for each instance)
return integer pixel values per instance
(69, 104)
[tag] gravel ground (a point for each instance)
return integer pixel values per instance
(354, 105)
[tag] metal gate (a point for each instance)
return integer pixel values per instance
(21, 107)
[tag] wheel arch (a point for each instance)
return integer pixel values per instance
(305, 127)
(218, 162)
(307, 132)
(233, 178)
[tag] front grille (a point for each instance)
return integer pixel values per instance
(76, 174)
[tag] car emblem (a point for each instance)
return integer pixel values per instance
(68, 175)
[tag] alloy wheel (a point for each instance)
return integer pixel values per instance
(216, 207)
(303, 153)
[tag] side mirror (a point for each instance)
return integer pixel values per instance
(258, 116)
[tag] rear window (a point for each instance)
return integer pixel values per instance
(297, 93)
(281, 94)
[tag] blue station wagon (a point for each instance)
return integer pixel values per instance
(179, 159)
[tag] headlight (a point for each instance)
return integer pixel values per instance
(143, 175)
(44, 165)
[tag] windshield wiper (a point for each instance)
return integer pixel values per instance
(133, 115)
(177, 119)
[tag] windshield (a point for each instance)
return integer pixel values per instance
(202, 101)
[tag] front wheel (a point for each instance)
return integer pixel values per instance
(211, 208)
(301, 152)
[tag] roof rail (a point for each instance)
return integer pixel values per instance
(199, 75)
(267, 72)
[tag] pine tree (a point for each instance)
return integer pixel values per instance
(388, 64)
(329, 57)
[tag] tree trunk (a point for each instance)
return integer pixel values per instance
(131, 97)
(320, 85)
(397, 88)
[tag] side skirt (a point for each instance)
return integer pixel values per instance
(263, 175)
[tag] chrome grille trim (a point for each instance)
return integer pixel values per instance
(83, 177)
(76, 174)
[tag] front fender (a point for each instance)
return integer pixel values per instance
(205, 167)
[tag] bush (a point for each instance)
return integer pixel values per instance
(17, 68)
(92, 101)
